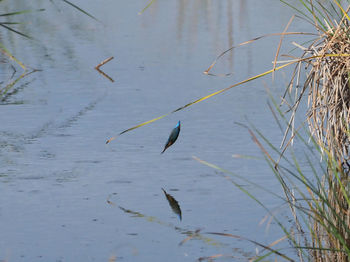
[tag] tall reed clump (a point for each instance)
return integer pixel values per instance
(327, 88)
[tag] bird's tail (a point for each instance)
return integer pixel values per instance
(165, 148)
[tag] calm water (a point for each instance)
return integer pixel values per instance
(67, 196)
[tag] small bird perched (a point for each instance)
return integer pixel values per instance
(173, 136)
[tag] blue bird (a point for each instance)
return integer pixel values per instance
(173, 136)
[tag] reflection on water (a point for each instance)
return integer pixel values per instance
(196, 234)
(98, 68)
(12, 87)
(175, 207)
(56, 173)
(220, 19)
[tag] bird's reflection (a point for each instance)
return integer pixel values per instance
(173, 204)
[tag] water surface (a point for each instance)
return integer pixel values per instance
(67, 196)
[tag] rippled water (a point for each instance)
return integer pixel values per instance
(67, 196)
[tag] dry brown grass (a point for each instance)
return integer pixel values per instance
(328, 90)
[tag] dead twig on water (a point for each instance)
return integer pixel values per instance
(103, 73)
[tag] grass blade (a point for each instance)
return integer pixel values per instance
(226, 89)
(15, 31)
(341, 8)
(7, 53)
(22, 12)
(146, 7)
(249, 42)
(255, 242)
(200, 100)
(79, 9)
